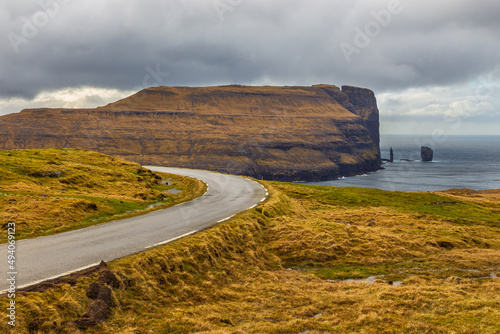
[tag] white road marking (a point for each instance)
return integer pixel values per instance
(223, 220)
(53, 277)
(46, 245)
(170, 240)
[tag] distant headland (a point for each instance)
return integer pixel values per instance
(280, 133)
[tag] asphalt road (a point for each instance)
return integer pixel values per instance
(57, 255)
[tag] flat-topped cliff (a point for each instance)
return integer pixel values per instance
(280, 133)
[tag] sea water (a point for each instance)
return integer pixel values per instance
(459, 162)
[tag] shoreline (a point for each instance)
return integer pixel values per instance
(417, 176)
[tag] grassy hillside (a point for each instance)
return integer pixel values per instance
(55, 190)
(292, 266)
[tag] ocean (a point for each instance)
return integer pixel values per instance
(459, 162)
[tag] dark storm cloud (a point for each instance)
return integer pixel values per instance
(116, 44)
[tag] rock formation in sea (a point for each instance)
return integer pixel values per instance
(426, 153)
(281, 133)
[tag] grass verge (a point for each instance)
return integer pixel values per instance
(283, 268)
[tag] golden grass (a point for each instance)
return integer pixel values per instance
(282, 269)
(264, 101)
(55, 190)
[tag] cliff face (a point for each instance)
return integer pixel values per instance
(281, 133)
(365, 105)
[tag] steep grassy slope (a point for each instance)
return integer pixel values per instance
(54, 190)
(282, 268)
(280, 133)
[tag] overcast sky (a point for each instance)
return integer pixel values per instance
(433, 65)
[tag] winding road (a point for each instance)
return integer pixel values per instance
(57, 255)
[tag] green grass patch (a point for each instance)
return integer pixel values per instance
(423, 203)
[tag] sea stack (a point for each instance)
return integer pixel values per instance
(426, 153)
(391, 155)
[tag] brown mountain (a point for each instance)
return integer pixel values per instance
(281, 133)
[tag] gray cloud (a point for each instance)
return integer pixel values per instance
(115, 44)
